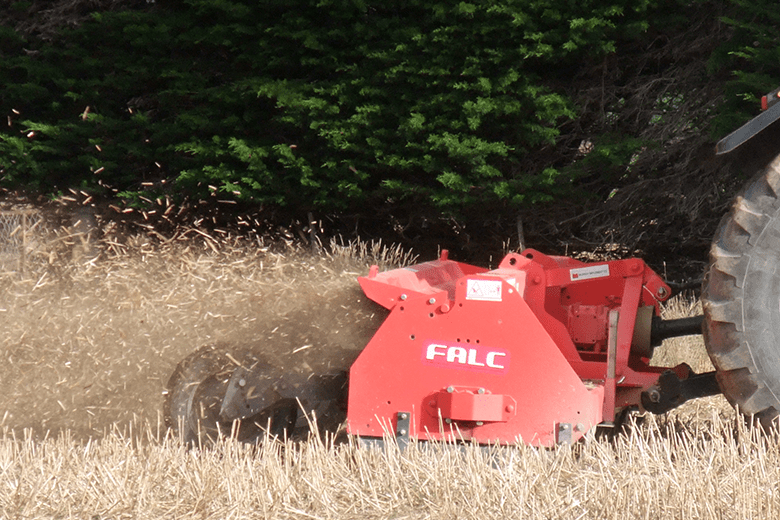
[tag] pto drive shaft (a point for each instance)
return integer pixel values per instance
(665, 329)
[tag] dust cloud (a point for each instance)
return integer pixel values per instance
(87, 344)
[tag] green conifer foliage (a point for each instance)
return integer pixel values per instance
(310, 104)
(751, 56)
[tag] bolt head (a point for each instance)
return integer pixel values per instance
(654, 395)
(432, 301)
(450, 389)
(403, 297)
(404, 416)
(242, 382)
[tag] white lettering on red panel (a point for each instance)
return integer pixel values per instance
(471, 357)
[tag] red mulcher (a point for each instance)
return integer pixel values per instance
(540, 350)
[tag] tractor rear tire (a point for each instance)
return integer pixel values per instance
(741, 299)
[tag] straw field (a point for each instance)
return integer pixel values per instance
(91, 331)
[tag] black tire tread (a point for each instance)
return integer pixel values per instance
(741, 326)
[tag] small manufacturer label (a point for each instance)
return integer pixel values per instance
(486, 290)
(586, 273)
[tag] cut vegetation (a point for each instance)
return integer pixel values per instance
(88, 343)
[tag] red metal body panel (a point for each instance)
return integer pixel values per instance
(519, 353)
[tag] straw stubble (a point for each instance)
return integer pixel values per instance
(87, 347)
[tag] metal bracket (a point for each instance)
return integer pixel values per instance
(563, 433)
(403, 421)
(609, 382)
(472, 404)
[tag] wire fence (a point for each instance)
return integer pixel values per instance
(18, 231)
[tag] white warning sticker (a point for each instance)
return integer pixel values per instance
(586, 273)
(486, 290)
